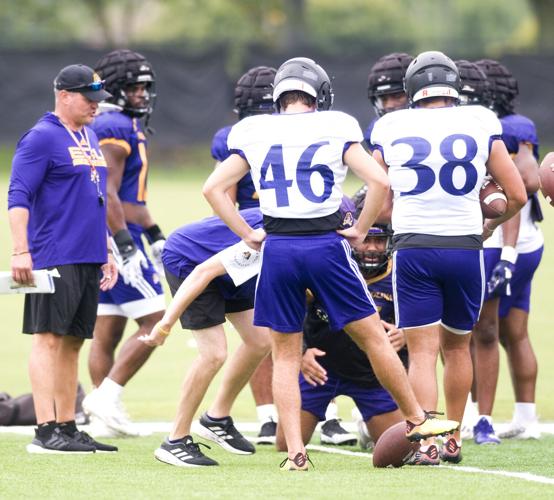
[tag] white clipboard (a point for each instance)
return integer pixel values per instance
(44, 282)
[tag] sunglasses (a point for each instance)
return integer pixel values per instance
(94, 86)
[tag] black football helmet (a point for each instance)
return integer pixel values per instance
(431, 74)
(475, 87)
(122, 68)
(254, 92)
(305, 75)
(385, 77)
(503, 86)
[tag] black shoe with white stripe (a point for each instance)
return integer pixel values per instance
(183, 453)
(224, 433)
(57, 441)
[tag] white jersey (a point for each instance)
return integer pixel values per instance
(436, 159)
(530, 237)
(296, 160)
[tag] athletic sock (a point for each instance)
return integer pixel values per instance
(111, 389)
(525, 413)
(177, 440)
(332, 411)
(266, 413)
(488, 418)
(46, 428)
(69, 427)
(220, 419)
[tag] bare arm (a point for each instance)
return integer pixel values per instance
(505, 173)
(386, 213)
(115, 158)
(528, 167)
(232, 191)
(21, 263)
(215, 191)
(374, 176)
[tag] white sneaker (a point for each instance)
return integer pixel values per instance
(112, 413)
(517, 430)
(98, 429)
(333, 433)
(366, 443)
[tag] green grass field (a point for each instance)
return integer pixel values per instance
(175, 199)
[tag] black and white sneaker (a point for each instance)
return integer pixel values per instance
(184, 453)
(224, 433)
(84, 438)
(57, 441)
(267, 433)
(333, 433)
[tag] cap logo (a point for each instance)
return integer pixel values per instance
(96, 78)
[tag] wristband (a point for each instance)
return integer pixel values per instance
(154, 233)
(509, 254)
(165, 333)
(125, 243)
(15, 254)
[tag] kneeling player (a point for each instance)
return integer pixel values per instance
(333, 365)
(190, 269)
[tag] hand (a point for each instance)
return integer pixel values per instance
(499, 283)
(353, 235)
(487, 230)
(157, 336)
(130, 267)
(22, 269)
(255, 239)
(313, 372)
(109, 274)
(156, 249)
(396, 335)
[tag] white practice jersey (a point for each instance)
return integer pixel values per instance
(436, 159)
(296, 160)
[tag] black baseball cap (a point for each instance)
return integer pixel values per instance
(82, 79)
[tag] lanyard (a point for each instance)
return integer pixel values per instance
(94, 176)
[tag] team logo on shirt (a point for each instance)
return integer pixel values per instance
(246, 258)
(79, 156)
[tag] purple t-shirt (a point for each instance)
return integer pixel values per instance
(517, 129)
(52, 179)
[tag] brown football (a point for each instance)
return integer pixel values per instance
(392, 448)
(492, 198)
(546, 177)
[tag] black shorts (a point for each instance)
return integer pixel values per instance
(209, 308)
(71, 309)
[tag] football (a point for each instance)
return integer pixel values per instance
(546, 178)
(392, 448)
(492, 198)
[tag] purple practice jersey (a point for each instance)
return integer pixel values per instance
(52, 178)
(194, 243)
(367, 135)
(114, 127)
(246, 192)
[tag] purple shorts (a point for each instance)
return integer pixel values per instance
(526, 265)
(438, 285)
(491, 257)
(370, 402)
(322, 264)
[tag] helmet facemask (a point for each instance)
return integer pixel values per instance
(374, 253)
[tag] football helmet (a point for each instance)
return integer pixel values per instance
(386, 77)
(431, 74)
(375, 262)
(122, 68)
(254, 92)
(503, 86)
(305, 75)
(474, 85)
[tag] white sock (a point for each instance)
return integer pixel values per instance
(332, 411)
(471, 413)
(110, 389)
(488, 418)
(266, 413)
(525, 413)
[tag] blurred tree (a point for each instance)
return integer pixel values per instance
(544, 10)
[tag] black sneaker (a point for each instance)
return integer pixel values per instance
(83, 437)
(57, 442)
(185, 453)
(224, 433)
(267, 433)
(333, 433)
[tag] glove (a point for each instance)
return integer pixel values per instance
(129, 259)
(156, 239)
(499, 284)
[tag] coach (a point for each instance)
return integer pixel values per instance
(57, 218)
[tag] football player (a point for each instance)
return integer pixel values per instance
(437, 155)
(299, 159)
(512, 256)
(334, 365)
(138, 294)
(253, 96)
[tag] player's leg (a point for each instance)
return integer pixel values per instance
(65, 373)
(42, 360)
(308, 423)
(260, 385)
(108, 332)
(378, 424)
